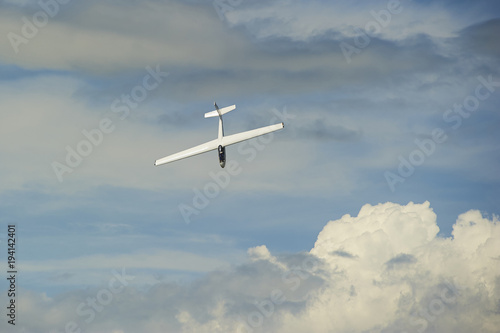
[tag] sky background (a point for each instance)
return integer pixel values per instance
(383, 187)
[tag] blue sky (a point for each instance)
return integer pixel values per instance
(362, 87)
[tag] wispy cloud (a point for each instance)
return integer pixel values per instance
(154, 259)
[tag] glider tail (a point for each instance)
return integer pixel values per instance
(219, 112)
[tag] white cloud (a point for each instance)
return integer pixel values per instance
(384, 270)
(388, 270)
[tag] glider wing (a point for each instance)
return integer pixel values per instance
(235, 138)
(200, 149)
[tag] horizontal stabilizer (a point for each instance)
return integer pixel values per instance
(222, 111)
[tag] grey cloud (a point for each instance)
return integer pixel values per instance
(234, 294)
(399, 260)
(175, 118)
(343, 254)
(211, 57)
(322, 128)
(482, 38)
(321, 131)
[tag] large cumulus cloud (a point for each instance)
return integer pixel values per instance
(388, 271)
(385, 270)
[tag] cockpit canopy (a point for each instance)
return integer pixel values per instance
(222, 155)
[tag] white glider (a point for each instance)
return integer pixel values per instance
(222, 141)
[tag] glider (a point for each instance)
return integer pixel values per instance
(222, 141)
